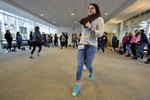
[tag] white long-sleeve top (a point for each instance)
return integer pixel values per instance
(89, 37)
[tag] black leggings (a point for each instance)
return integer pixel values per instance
(9, 45)
(19, 44)
(133, 49)
(34, 47)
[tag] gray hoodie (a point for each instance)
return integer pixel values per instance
(89, 37)
(37, 37)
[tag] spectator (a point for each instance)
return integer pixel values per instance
(9, 39)
(18, 39)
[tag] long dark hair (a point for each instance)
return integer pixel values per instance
(98, 13)
(92, 17)
(37, 29)
(8, 31)
(18, 33)
(142, 32)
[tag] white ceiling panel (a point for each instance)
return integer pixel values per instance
(134, 9)
(60, 10)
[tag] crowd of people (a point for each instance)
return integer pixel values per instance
(134, 45)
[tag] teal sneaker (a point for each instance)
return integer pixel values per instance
(76, 89)
(90, 76)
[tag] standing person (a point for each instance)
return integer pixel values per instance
(135, 38)
(51, 39)
(62, 40)
(124, 40)
(143, 43)
(18, 39)
(75, 40)
(92, 27)
(37, 41)
(30, 39)
(107, 39)
(114, 42)
(128, 50)
(104, 41)
(79, 37)
(9, 39)
(99, 42)
(31, 35)
(66, 40)
(56, 40)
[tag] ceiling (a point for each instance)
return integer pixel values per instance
(58, 12)
(136, 8)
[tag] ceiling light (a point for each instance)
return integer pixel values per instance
(72, 14)
(143, 24)
(53, 21)
(75, 22)
(42, 14)
(106, 13)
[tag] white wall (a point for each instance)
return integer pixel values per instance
(111, 28)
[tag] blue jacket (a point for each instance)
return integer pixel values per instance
(144, 39)
(18, 38)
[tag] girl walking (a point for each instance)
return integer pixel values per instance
(92, 27)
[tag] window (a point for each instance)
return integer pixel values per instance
(148, 33)
(53, 31)
(10, 23)
(23, 24)
(2, 26)
(30, 27)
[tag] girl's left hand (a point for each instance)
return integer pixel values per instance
(88, 25)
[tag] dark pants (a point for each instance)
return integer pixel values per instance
(66, 43)
(133, 49)
(9, 45)
(124, 48)
(19, 45)
(75, 43)
(34, 47)
(114, 45)
(55, 42)
(62, 44)
(103, 45)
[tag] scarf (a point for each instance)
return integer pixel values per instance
(88, 19)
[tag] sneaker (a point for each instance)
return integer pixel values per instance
(90, 76)
(76, 89)
(84, 67)
(31, 57)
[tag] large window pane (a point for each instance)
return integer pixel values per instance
(30, 27)
(2, 26)
(10, 23)
(23, 28)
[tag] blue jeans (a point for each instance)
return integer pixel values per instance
(141, 50)
(89, 52)
(128, 48)
(75, 43)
